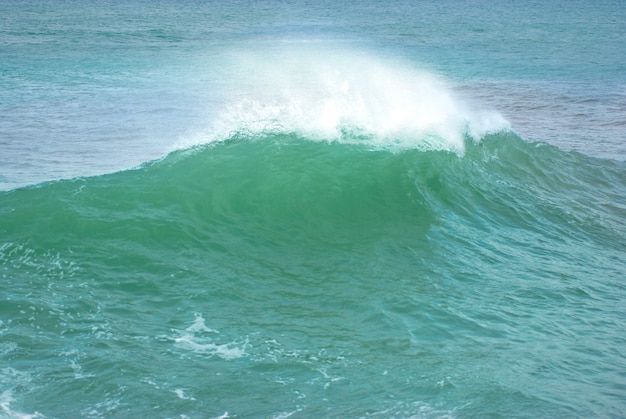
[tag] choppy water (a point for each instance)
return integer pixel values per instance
(292, 209)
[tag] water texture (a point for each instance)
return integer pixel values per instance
(312, 209)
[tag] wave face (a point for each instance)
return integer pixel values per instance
(320, 278)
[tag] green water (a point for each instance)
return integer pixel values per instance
(312, 209)
(282, 275)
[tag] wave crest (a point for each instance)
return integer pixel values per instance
(334, 95)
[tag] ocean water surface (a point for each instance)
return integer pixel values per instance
(312, 209)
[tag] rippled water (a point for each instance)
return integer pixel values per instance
(312, 210)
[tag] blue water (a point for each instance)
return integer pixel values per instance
(312, 209)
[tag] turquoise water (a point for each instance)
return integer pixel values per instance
(310, 209)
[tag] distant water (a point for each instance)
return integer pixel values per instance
(312, 209)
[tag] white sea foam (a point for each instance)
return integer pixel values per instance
(6, 398)
(6, 347)
(285, 415)
(200, 339)
(181, 394)
(414, 410)
(333, 95)
(9, 380)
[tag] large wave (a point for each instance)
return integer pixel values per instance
(283, 235)
(293, 190)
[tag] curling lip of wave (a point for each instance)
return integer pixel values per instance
(333, 95)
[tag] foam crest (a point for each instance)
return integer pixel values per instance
(332, 95)
(10, 381)
(198, 338)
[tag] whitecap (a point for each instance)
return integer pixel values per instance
(329, 94)
(200, 339)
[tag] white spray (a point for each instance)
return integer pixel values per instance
(327, 94)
